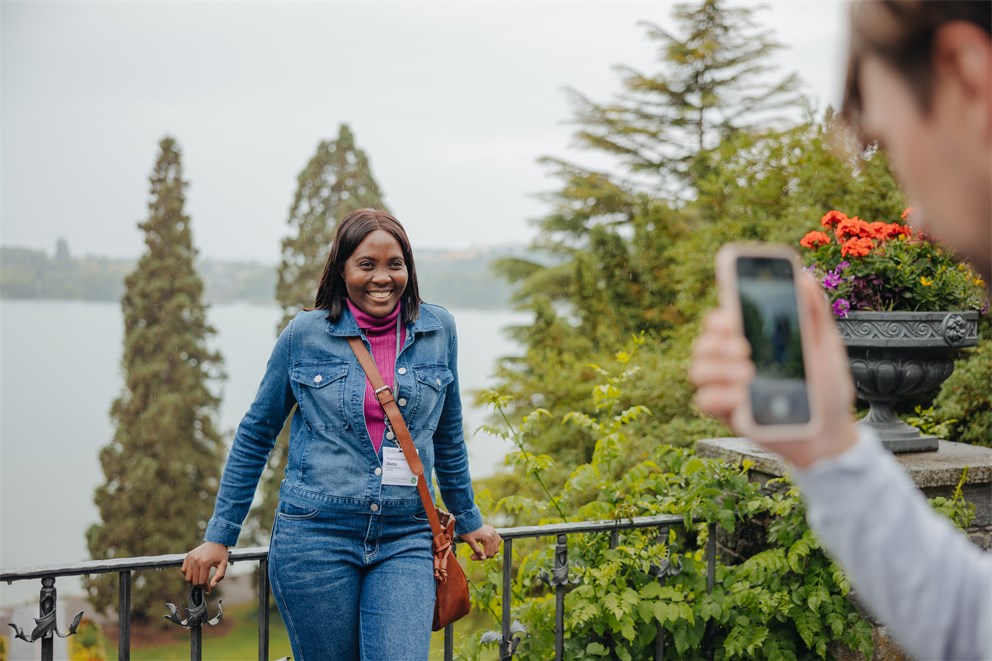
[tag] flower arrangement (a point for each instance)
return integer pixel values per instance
(881, 266)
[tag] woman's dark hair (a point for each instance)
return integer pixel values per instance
(901, 33)
(351, 231)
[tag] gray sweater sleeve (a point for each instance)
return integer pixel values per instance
(918, 574)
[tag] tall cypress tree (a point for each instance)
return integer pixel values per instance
(336, 181)
(162, 467)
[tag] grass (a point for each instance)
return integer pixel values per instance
(240, 641)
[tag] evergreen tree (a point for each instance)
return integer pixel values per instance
(713, 80)
(336, 181)
(162, 467)
(714, 83)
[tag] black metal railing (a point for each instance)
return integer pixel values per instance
(508, 638)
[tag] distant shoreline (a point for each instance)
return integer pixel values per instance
(454, 278)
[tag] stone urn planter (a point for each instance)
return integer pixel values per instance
(898, 355)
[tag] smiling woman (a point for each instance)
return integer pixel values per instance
(350, 558)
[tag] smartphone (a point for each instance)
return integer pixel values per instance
(759, 282)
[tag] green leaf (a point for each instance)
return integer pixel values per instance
(681, 636)
(808, 625)
(612, 604)
(836, 624)
(798, 553)
(596, 649)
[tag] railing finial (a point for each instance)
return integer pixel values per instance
(196, 612)
(46, 625)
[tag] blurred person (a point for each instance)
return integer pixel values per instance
(919, 84)
(351, 562)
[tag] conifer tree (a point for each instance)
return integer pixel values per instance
(713, 80)
(162, 467)
(336, 181)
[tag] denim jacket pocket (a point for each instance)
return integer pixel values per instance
(320, 392)
(432, 380)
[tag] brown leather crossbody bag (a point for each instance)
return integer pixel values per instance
(452, 587)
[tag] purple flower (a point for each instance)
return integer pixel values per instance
(841, 306)
(831, 280)
(841, 266)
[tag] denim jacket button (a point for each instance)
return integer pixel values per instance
(437, 381)
(401, 370)
(378, 471)
(374, 507)
(318, 379)
(401, 401)
(390, 435)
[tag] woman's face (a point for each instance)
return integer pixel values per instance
(375, 274)
(936, 155)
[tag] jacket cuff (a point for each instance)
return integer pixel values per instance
(222, 532)
(466, 522)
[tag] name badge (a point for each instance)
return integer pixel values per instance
(395, 470)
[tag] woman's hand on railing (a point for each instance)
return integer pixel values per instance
(198, 563)
(484, 541)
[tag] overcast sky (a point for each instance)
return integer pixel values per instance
(453, 102)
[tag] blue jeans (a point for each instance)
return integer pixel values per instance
(353, 586)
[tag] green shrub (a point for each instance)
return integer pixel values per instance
(777, 594)
(964, 403)
(787, 600)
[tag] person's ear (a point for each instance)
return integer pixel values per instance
(962, 54)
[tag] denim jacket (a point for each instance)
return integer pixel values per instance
(332, 465)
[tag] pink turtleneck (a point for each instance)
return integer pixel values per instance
(381, 334)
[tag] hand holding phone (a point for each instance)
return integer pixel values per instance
(758, 282)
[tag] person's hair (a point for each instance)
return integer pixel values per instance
(350, 232)
(901, 33)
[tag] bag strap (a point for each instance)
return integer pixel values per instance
(385, 397)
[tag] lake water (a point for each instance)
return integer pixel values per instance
(59, 373)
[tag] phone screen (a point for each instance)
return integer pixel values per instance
(766, 286)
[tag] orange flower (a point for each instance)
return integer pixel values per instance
(857, 247)
(831, 218)
(814, 240)
(879, 230)
(895, 229)
(907, 212)
(853, 227)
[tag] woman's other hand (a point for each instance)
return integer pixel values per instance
(484, 541)
(198, 563)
